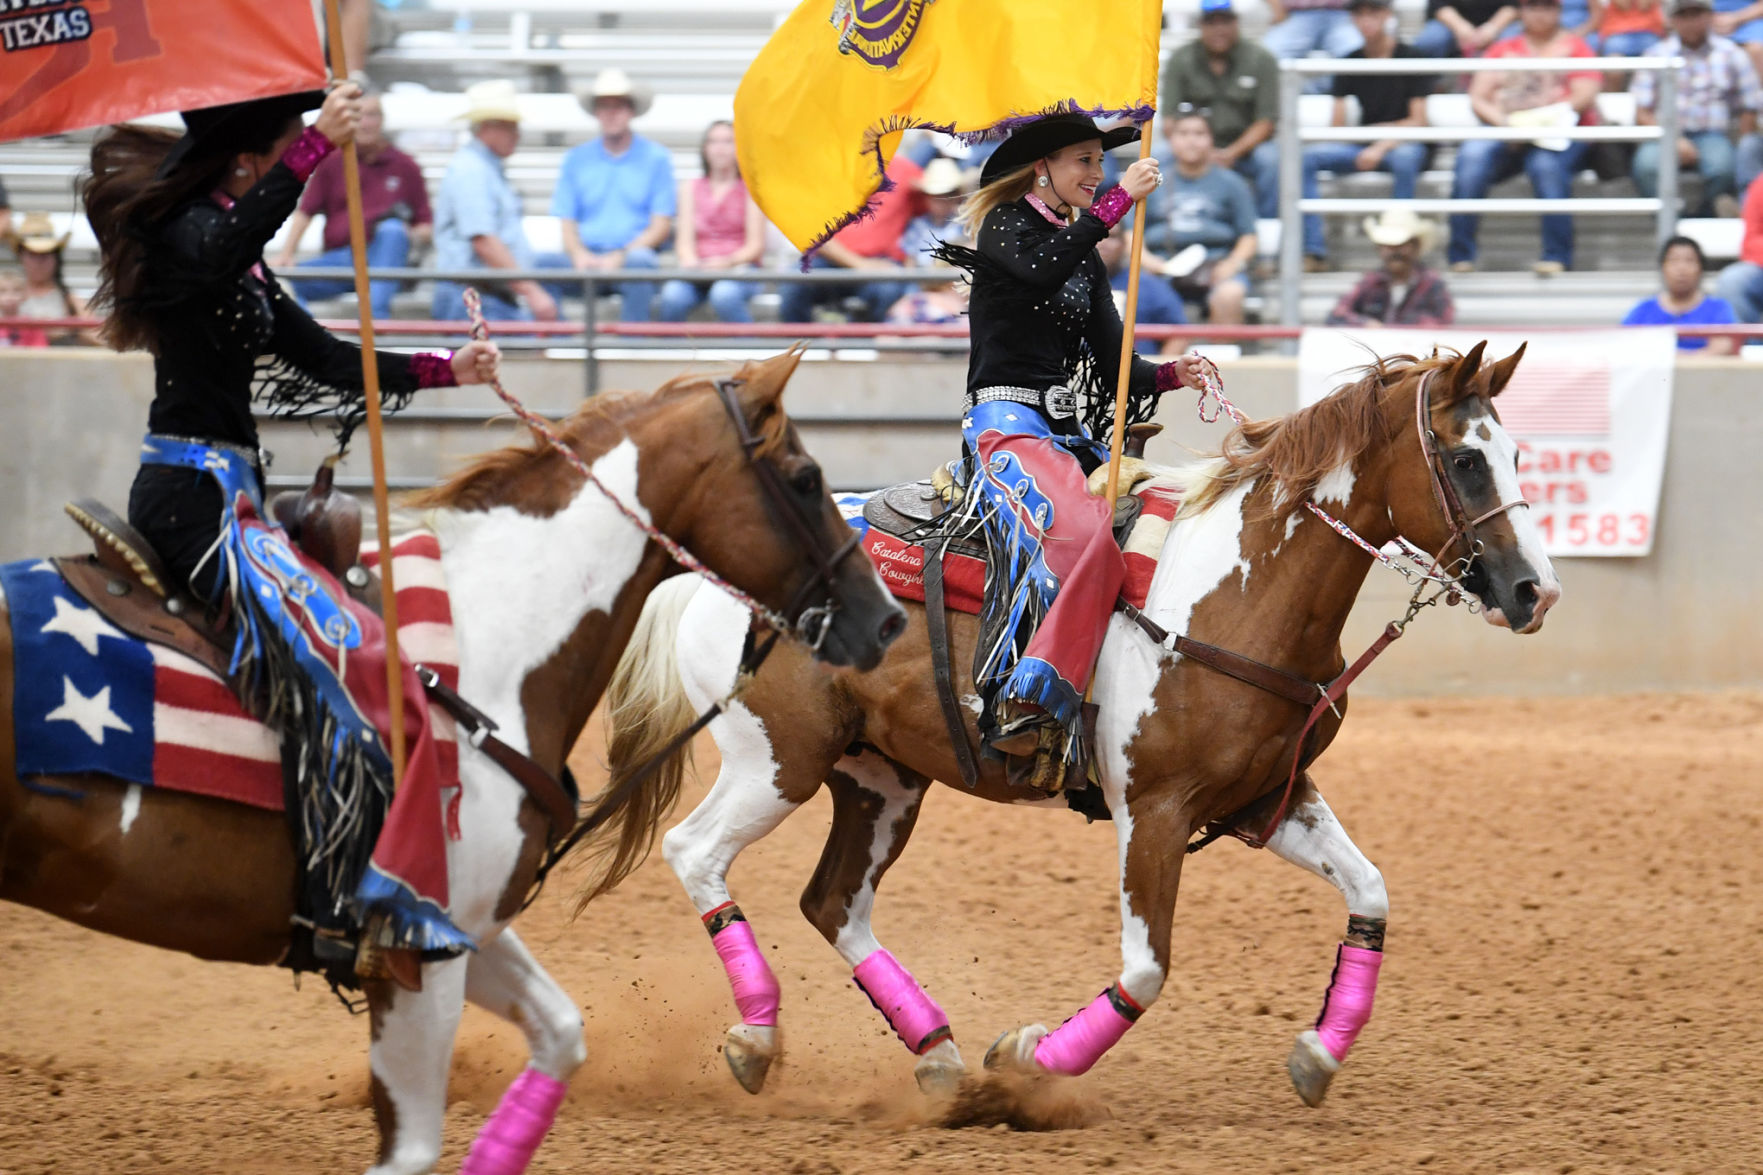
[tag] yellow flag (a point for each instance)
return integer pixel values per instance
(818, 113)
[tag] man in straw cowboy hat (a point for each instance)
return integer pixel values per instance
(40, 250)
(1403, 292)
(477, 214)
(615, 194)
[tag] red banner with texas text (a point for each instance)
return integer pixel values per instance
(66, 64)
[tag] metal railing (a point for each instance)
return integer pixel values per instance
(1292, 137)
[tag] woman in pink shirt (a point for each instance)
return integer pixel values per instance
(719, 229)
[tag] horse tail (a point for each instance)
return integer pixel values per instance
(646, 709)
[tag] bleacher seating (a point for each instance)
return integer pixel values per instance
(692, 54)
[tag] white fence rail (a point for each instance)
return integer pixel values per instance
(1293, 135)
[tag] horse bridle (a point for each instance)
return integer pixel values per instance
(809, 621)
(1445, 493)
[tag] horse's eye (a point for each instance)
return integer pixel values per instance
(807, 481)
(1463, 462)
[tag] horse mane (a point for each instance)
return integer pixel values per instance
(1296, 451)
(485, 480)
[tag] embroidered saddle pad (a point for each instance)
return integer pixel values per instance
(893, 523)
(90, 698)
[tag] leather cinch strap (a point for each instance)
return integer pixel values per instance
(936, 620)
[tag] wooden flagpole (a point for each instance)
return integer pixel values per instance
(1118, 440)
(370, 379)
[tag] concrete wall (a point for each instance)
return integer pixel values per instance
(1685, 617)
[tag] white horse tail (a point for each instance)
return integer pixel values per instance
(646, 709)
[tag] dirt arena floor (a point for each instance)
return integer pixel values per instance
(1572, 986)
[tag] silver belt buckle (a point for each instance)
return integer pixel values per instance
(1060, 402)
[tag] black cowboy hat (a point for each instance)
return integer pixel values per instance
(1042, 137)
(237, 125)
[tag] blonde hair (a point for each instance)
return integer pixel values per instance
(1013, 185)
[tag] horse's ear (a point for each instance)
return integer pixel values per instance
(763, 381)
(1463, 375)
(1501, 374)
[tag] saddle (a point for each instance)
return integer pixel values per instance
(921, 513)
(918, 511)
(126, 582)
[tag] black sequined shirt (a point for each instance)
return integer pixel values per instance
(1042, 312)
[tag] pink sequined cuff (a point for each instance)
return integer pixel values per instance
(1112, 206)
(306, 152)
(1168, 376)
(434, 369)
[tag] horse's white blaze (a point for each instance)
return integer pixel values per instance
(1311, 838)
(856, 942)
(131, 807)
(1334, 486)
(520, 586)
(1500, 451)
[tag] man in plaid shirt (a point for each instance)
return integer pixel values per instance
(1718, 96)
(1404, 292)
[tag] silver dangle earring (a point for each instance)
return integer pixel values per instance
(1042, 181)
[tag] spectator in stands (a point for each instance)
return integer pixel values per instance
(1742, 22)
(871, 244)
(39, 250)
(1301, 27)
(478, 215)
(12, 291)
(1391, 99)
(1539, 100)
(1627, 28)
(1159, 304)
(394, 206)
(1718, 96)
(1237, 83)
(1403, 292)
(1463, 28)
(615, 194)
(1741, 283)
(1204, 210)
(719, 228)
(1682, 302)
(942, 187)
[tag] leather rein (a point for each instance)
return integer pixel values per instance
(1321, 697)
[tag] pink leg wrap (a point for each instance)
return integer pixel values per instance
(507, 1142)
(1080, 1042)
(1347, 1006)
(756, 990)
(896, 995)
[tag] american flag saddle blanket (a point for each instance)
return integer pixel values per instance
(89, 698)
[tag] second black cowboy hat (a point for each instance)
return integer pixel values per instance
(1042, 137)
(223, 130)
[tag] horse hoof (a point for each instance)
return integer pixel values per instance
(1312, 1067)
(1016, 1049)
(749, 1050)
(939, 1073)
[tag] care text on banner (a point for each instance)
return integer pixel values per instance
(1589, 410)
(67, 64)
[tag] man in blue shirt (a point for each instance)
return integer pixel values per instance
(1201, 208)
(1159, 305)
(477, 215)
(615, 194)
(1682, 302)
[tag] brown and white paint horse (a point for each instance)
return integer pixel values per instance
(547, 581)
(1178, 745)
